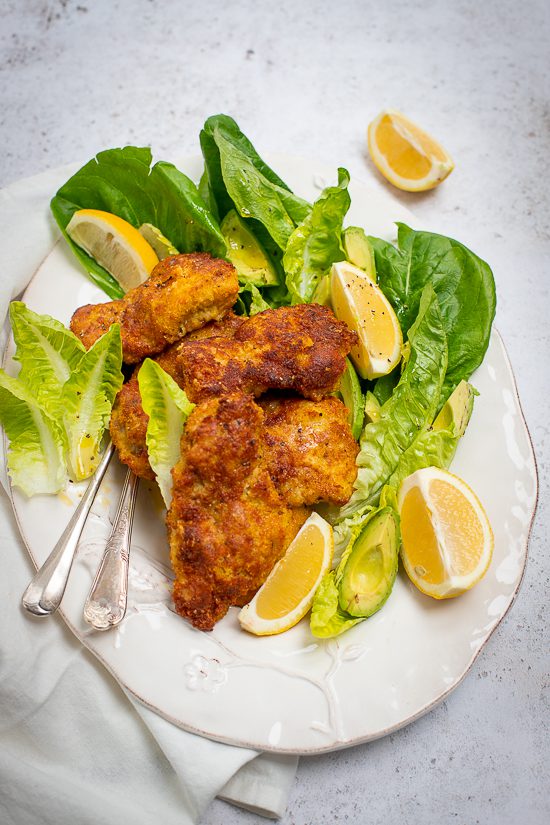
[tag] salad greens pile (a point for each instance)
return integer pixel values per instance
(442, 293)
(122, 181)
(56, 410)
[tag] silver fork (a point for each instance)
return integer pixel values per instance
(106, 603)
(43, 595)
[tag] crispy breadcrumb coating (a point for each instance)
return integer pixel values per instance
(128, 419)
(301, 348)
(183, 293)
(227, 523)
(310, 450)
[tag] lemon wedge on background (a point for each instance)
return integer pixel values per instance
(115, 244)
(360, 303)
(406, 155)
(287, 593)
(447, 541)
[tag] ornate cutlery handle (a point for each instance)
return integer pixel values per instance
(43, 595)
(106, 603)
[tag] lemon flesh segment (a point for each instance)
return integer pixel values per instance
(360, 303)
(115, 244)
(447, 541)
(405, 154)
(287, 593)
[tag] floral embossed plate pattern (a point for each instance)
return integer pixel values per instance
(294, 693)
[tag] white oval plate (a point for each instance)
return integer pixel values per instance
(292, 693)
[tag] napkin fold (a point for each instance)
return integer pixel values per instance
(74, 747)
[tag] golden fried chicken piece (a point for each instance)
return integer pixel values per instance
(301, 348)
(183, 293)
(311, 451)
(301, 345)
(129, 421)
(227, 524)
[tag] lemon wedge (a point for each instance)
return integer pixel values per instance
(287, 593)
(406, 155)
(447, 541)
(360, 303)
(115, 244)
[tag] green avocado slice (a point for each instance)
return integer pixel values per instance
(371, 567)
(246, 253)
(457, 410)
(352, 396)
(359, 250)
(154, 237)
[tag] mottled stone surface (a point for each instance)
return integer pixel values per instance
(305, 78)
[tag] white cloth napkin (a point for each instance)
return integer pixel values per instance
(73, 746)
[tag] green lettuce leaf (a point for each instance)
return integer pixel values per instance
(411, 407)
(436, 444)
(35, 456)
(168, 409)
(226, 126)
(239, 178)
(385, 385)
(48, 353)
(464, 286)
(123, 182)
(257, 304)
(317, 242)
(87, 399)
(327, 617)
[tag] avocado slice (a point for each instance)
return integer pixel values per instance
(322, 292)
(246, 253)
(457, 410)
(154, 237)
(372, 408)
(352, 396)
(358, 250)
(371, 567)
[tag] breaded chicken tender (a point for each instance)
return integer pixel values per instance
(183, 293)
(300, 348)
(227, 524)
(129, 420)
(314, 361)
(310, 450)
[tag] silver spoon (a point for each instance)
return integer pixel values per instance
(43, 595)
(106, 603)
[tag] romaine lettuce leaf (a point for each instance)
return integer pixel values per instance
(464, 286)
(327, 617)
(87, 399)
(411, 407)
(431, 448)
(317, 242)
(435, 445)
(257, 303)
(122, 181)
(48, 353)
(168, 409)
(35, 456)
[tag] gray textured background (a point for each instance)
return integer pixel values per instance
(305, 78)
